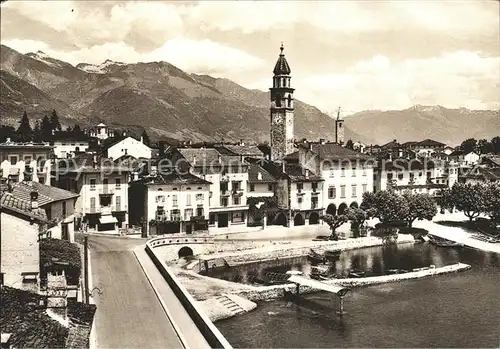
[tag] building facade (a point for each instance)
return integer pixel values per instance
(30, 162)
(131, 147)
(68, 148)
(282, 110)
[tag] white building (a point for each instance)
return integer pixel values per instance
(229, 178)
(30, 162)
(129, 146)
(419, 175)
(465, 159)
(260, 181)
(101, 132)
(103, 189)
(347, 174)
(68, 148)
(173, 202)
(425, 147)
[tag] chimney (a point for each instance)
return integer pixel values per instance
(241, 142)
(8, 140)
(259, 176)
(135, 176)
(34, 200)
(310, 146)
(283, 167)
(161, 146)
(242, 158)
(307, 173)
(194, 160)
(124, 133)
(321, 141)
(390, 156)
(94, 161)
(400, 153)
(219, 158)
(142, 139)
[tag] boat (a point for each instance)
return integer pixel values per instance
(320, 272)
(332, 254)
(315, 256)
(397, 271)
(356, 273)
(449, 244)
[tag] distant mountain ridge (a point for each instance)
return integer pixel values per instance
(169, 102)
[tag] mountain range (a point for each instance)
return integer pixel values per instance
(168, 102)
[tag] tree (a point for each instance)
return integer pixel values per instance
(69, 130)
(495, 145)
(349, 144)
(420, 207)
(46, 129)
(492, 201)
(467, 198)
(387, 206)
(334, 221)
(484, 147)
(468, 145)
(24, 131)
(54, 121)
(37, 133)
(145, 138)
(7, 132)
(77, 131)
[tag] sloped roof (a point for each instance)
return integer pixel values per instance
(431, 143)
(484, 173)
(405, 164)
(293, 171)
(492, 159)
(244, 150)
(208, 157)
(333, 151)
(391, 144)
(12, 203)
(253, 174)
(174, 177)
(85, 163)
(282, 67)
(46, 193)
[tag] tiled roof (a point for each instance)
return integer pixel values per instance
(282, 67)
(176, 178)
(431, 143)
(85, 163)
(253, 174)
(493, 159)
(11, 203)
(391, 144)
(293, 171)
(207, 157)
(484, 173)
(245, 150)
(332, 151)
(46, 193)
(404, 164)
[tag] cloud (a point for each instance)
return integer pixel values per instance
(202, 57)
(456, 79)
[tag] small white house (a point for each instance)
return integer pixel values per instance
(129, 146)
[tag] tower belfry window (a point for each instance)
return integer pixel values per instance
(289, 101)
(278, 101)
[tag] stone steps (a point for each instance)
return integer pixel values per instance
(229, 304)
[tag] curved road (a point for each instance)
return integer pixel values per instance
(129, 314)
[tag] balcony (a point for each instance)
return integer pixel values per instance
(300, 193)
(175, 218)
(224, 193)
(314, 205)
(237, 192)
(104, 191)
(198, 218)
(120, 208)
(224, 203)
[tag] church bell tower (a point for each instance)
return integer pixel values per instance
(282, 110)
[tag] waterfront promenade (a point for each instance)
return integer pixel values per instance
(129, 311)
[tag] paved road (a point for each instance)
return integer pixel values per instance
(129, 314)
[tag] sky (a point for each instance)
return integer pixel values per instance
(360, 55)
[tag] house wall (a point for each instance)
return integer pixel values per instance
(471, 159)
(67, 219)
(129, 146)
(305, 195)
(63, 148)
(260, 189)
(352, 177)
(19, 251)
(38, 161)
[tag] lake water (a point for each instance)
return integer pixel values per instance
(453, 310)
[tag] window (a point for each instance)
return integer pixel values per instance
(389, 176)
(299, 187)
(237, 217)
(188, 213)
(92, 204)
(199, 211)
(223, 186)
(118, 183)
(27, 159)
(64, 232)
(211, 219)
(364, 170)
(159, 199)
(299, 200)
(188, 200)
(252, 187)
(92, 184)
(342, 191)
(160, 213)
(289, 100)
(13, 159)
(332, 173)
(199, 197)
(314, 202)
(332, 192)
(353, 190)
(174, 200)
(314, 186)
(236, 185)
(270, 187)
(236, 200)
(64, 208)
(278, 101)
(118, 203)
(354, 171)
(365, 188)
(412, 176)
(400, 176)
(342, 172)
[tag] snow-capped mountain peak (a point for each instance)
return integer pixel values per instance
(102, 68)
